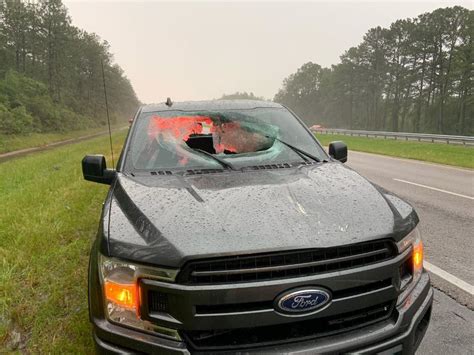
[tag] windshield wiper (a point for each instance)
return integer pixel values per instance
(298, 151)
(219, 160)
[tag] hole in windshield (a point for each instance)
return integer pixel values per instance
(203, 133)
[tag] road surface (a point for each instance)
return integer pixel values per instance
(26, 151)
(444, 199)
(451, 329)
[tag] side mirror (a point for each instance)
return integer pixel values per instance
(338, 150)
(94, 168)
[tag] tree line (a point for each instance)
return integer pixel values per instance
(51, 71)
(417, 75)
(244, 95)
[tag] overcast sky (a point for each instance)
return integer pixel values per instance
(201, 50)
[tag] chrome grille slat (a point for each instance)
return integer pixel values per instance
(228, 309)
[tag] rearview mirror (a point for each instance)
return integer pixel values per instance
(338, 150)
(94, 168)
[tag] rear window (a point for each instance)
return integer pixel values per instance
(190, 139)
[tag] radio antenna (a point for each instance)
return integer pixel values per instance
(108, 117)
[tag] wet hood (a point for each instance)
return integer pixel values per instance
(167, 220)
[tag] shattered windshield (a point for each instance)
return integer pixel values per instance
(217, 139)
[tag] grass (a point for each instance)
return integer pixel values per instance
(9, 143)
(449, 154)
(48, 219)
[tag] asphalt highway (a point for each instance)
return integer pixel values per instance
(451, 330)
(444, 199)
(22, 152)
(443, 196)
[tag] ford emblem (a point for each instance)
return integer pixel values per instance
(302, 302)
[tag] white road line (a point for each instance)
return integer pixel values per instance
(414, 161)
(450, 278)
(434, 188)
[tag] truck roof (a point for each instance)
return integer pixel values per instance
(210, 105)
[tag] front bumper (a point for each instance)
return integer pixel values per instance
(402, 335)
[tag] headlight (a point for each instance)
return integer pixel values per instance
(415, 262)
(121, 293)
(120, 290)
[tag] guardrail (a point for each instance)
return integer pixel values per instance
(466, 140)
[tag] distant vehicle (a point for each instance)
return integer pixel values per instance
(316, 127)
(227, 228)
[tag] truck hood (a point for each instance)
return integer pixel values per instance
(167, 220)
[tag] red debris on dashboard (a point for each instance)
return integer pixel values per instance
(181, 127)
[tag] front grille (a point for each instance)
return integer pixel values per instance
(227, 308)
(280, 265)
(228, 339)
